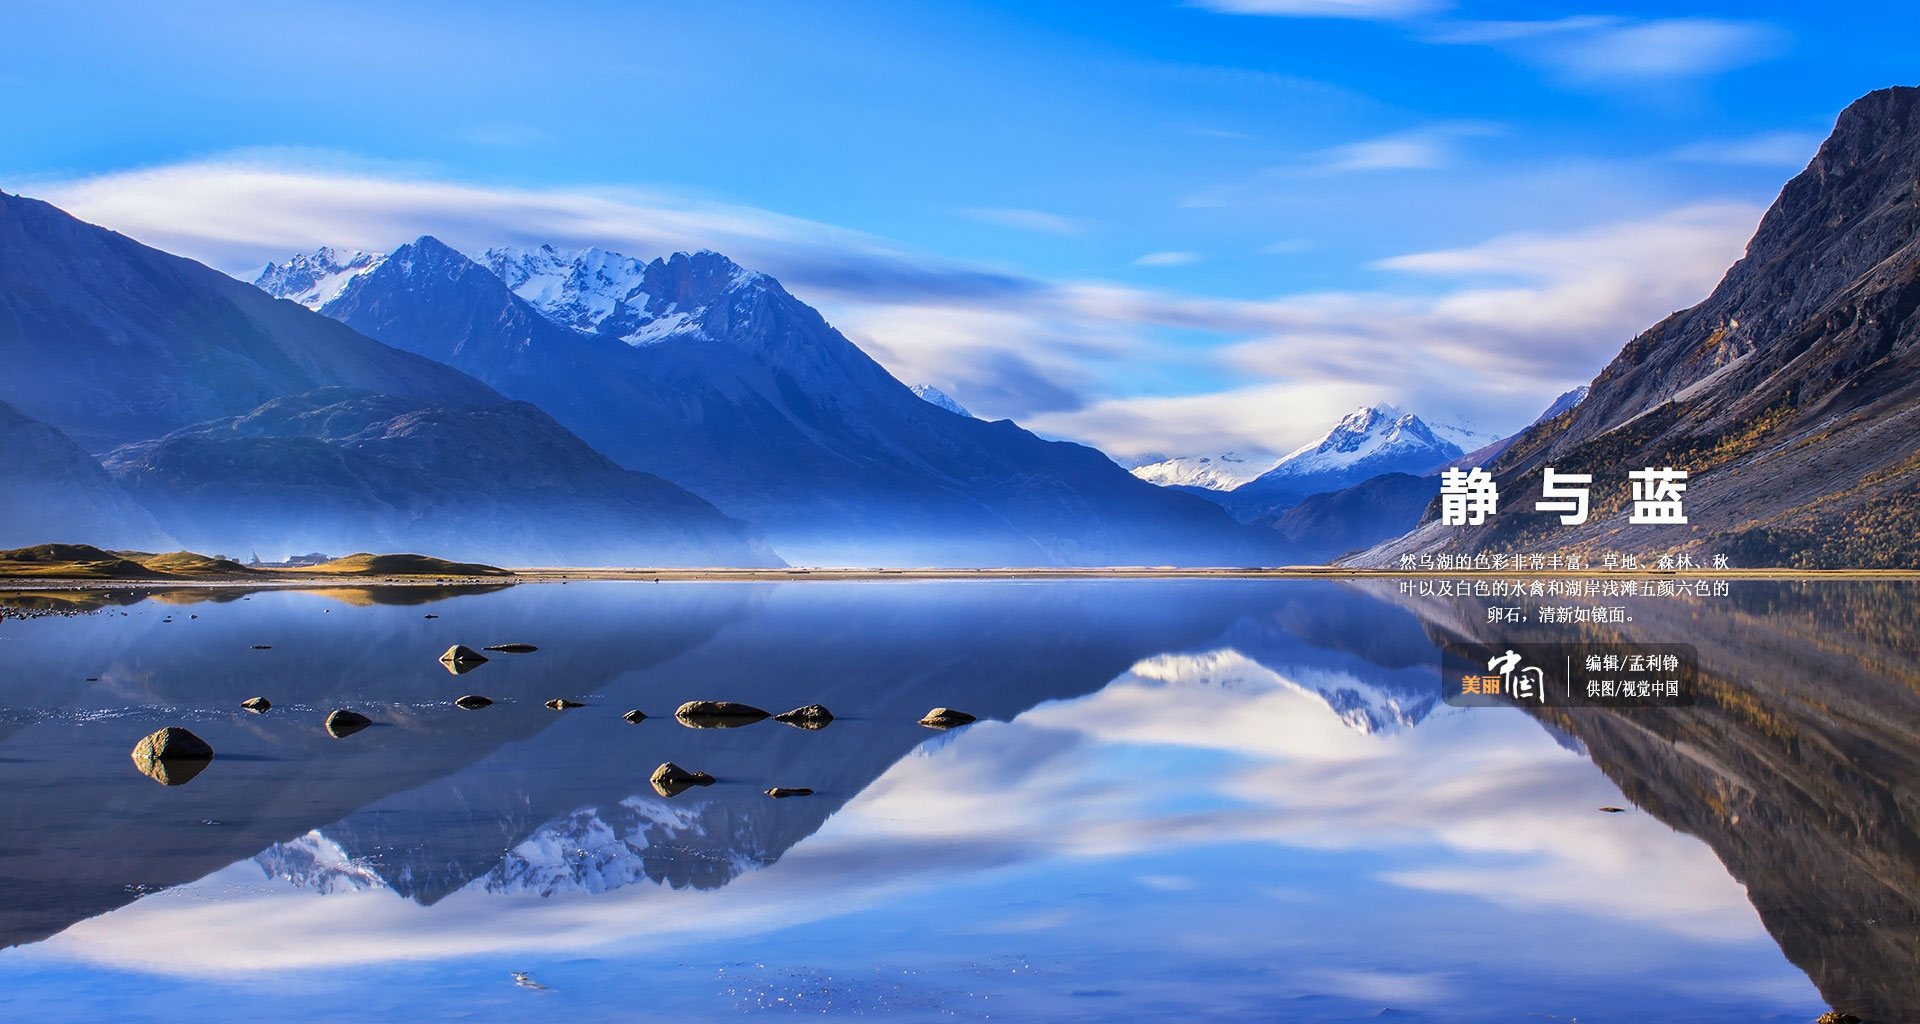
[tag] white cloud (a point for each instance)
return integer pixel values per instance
(1607, 49)
(1770, 149)
(1024, 220)
(1518, 319)
(1486, 333)
(1167, 259)
(1380, 10)
(1427, 148)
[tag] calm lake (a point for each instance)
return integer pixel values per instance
(1233, 799)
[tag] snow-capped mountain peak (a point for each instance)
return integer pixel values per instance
(1367, 435)
(313, 279)
(1222, 472)
(581, 289)
(929, 393)
(602, 292)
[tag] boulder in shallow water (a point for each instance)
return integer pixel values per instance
(670, 780)
(473, 702)
(1836, 1017)
(172, 756)
(636, 716)
(256, 704)
(945, 718)
(812, 716)
(717, 714)
(342, 723)
(461, 658)
(782, 792)
(562, 704)
(514, 648)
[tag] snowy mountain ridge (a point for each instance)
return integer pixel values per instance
(1222, 472)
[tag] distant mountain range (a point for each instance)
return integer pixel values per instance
(1367, 442)
(238, 421)
(1222, 472)
(713, 376)
(1791, 395)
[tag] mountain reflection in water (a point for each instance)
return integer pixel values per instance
(1237, 799)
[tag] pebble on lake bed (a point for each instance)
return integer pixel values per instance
(256, 704)
(717, 714)
(562, 704)
(812, 716)
(782, 792)
(670, 780)
(473, 702)
(945, 718)
(460, 658)
(343, 723)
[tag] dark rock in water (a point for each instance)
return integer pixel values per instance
(342, 723)
(1610, 809)
(671, 780)
(175, 772)
(636, 716)
(514, 648)
(173, 743)
(256, 704)
(782, 792)
(813, 716)
(717, 714)
(473, 701)
(172, 756)
(1837, 1017)
(460, 658)
(431, 616)
(561, 704)
(263, 647)
(945, 718)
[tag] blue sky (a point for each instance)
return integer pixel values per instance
(1155, 226)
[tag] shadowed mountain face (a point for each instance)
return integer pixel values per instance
(714, 377)
(111, 341)
(1323, 526)
(1799, 767)
(50, 489)
(341, 470)
(1791, 394)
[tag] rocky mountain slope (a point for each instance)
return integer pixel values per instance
(713, 376)
(1791, 395)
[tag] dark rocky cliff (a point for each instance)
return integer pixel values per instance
(1791, 394)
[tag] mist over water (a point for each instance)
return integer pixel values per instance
(1182, 799)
